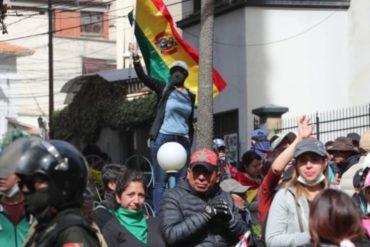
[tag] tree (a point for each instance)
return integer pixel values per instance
(204, 130)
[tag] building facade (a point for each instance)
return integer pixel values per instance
(83, 42)
(308, 56)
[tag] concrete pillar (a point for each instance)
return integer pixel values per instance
(270, 117)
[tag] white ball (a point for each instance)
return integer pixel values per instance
(171, 157)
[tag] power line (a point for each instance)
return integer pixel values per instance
(270, 42)
(60, 7)
(26, 96)
(59, 30)
(24, 18)
(45, 45)
(63, 29)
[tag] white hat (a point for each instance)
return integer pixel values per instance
(180, 64)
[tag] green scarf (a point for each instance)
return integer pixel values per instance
(134, 222)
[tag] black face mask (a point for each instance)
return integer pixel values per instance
(178, 78)
(36, 202)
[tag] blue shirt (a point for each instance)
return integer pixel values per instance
(177, 113)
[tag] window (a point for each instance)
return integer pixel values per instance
(91, 23)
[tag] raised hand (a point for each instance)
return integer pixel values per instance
(304, 127)
(133, 48)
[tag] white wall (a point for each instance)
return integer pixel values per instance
(359, 48)
(7, 76)
(297, 58)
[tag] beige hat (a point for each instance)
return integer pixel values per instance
(365, 141)
(233, 186)
(343, 144)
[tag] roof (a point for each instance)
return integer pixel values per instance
(270, 109)
(127, 76)
(7, 48)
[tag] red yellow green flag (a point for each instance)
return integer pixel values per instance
(161, 45)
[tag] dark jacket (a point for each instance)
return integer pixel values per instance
(348, 163)
(117, 236)
(163, 91)
(68, 226)
(183, 223)
(102, 215)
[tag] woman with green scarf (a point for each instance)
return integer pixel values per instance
(129, 226)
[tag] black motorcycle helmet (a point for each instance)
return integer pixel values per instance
(61, 163)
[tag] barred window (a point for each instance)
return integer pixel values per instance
(91, 23)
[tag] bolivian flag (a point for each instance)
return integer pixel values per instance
(161, 45)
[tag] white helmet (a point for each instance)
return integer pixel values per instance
(180, 64)
(218, 143)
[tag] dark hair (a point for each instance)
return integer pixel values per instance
(333, 218)
(126, 177)
(111, 172)
(301, 189)
(328, 144)
(247, 159)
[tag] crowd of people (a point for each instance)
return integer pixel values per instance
(287, 190)
(297, 200)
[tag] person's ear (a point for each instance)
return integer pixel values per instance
(188, 172)
(111, 185)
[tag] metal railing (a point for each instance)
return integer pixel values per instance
(331, 124)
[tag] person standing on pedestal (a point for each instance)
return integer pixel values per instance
(173, 121)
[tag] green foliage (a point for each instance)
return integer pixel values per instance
(100, 104)
(62, 124)
(10, 136)
(95, 180)
(133, 113)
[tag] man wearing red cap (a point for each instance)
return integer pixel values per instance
(197, 212)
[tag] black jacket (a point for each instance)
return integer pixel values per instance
(163, 91)
(117, 236)
(68, 226)
(183, 223)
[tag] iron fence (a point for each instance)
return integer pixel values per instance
(331, 124)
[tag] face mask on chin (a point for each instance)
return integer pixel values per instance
(303, 181)
(10, 193)
(35, 203)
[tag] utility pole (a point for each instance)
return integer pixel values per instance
(119, 34)
(51, 71)
(204, 133)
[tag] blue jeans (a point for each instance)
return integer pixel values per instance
(160, 177)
